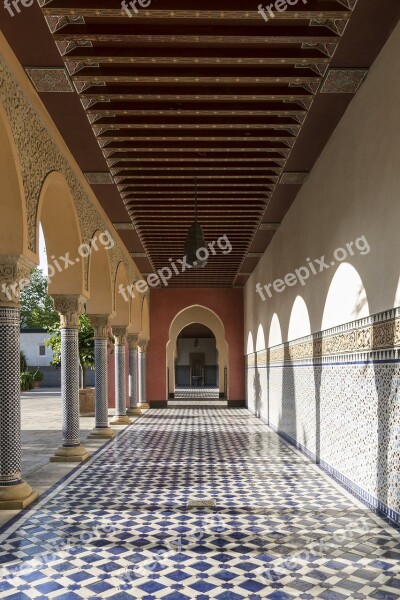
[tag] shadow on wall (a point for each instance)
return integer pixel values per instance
(257, 389)
(317, 354)
(288, 416)
(387, 385)
(349, 403)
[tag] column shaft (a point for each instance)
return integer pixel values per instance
(120, 416)
(100, 324)
(133, 378)
(120, 381)
(101, 382)
(15, 494)
(102, 429)
(142, 378)
(70, 307)
(10, 402)
(134, 409)
(70, 387)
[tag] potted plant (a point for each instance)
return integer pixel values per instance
(26, 381)
(37, 377)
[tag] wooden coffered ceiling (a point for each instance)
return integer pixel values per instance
(206, 90)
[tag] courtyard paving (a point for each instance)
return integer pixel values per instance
(199, 504)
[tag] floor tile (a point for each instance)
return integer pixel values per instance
(120, 526)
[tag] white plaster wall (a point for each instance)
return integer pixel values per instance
(349, 415)
(30, 343)
(353, 191)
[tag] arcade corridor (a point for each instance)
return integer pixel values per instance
(200, 208)
(130, 523)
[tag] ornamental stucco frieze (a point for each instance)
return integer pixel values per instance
(39, 156)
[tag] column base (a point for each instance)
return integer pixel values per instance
(17, 497)
(134, 412)
(70, 454)
(101, 432)
(144, 406)
(120, 420)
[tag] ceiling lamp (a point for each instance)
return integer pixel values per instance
(195, 245)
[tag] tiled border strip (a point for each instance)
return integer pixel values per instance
(376, 338)
(366, 359)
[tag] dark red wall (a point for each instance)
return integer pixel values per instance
(165, 304)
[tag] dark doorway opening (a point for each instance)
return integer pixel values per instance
(196, 362)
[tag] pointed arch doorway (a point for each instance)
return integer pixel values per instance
(197, 356)
(196, 363)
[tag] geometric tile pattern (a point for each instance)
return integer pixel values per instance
(101, 383)
(196, 396)
(343, 81)
(197, 392)
(70, 387)
(50, 80)
(142, 375)
(133, 377)
(197, 403)
(356, 340)
(336, 394)
(291, 178)
(10, 404)
(125, 525)
(120, 381)
(99, 178)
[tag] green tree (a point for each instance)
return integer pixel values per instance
(86, 346)
(37, 309)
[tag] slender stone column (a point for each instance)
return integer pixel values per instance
(101, 324)
(142, 376)
(120, 416)
(15, 494)
(133, 410)
(70, 307)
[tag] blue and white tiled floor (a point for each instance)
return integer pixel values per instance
(197, 396)
(126, 524)
(197, 392)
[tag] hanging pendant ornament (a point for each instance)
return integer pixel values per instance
(195, 245)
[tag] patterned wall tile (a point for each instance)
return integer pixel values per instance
(337, 395)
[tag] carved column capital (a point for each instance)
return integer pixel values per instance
(119, 333)
(133, 341)
(70, 308)
(143, 345)
(101, 325)
(14, 276)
